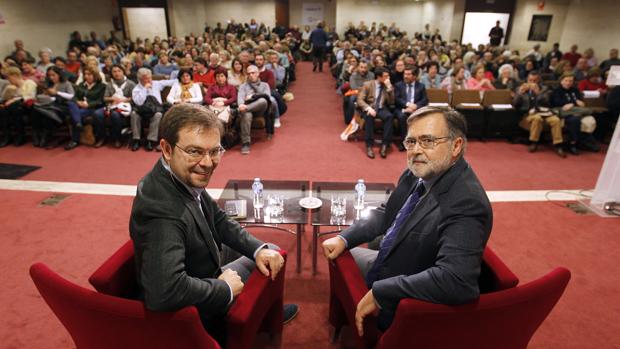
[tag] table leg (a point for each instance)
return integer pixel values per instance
(315, 243)
(299, 232)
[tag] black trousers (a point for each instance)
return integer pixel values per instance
(388, 126)
(13, 117)
(318, 56)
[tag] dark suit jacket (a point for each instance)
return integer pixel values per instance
(437, 254)
(366, 96)
(419, 95)
(178, 250)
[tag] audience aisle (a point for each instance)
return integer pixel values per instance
(78, 234)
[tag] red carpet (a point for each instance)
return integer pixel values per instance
(532, 238)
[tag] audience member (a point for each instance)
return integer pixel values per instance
(410, 95)
(185, 90)
(117, 97)
(15, 106)
(375, 100)
(88, 98)
(146, 97)
(254, 99)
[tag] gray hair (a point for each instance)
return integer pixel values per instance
(253, 67)
(144, 72)
(456, 122)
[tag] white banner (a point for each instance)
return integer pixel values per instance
(311, 13)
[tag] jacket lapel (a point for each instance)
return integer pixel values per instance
(192, 206)
(206, 233)
(429, 201)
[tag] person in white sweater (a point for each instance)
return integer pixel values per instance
(185, 91)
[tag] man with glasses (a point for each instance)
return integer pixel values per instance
(436, 224)
(188, 252)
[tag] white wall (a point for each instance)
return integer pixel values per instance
(49, 23)
(329, 11)
(408, 15)
(188, 16)
(592, 24)
(522, 21)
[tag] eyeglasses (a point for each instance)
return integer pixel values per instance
(425, 142)
(197, 154)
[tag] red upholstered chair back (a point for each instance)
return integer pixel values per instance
(506, 319)
(98, 321)
(117, 275)
(494, 274)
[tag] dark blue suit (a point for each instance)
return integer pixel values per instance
(437, 253)
(400, 95)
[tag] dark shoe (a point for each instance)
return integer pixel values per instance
(117, 144)
(370, 153)
(289, 312)
(148, 146)
(573, 149)
(36, 139)
(560, 152)
(79, 126)
(533, 147)
(100, 143)
(383, 151)
(269, 136)
(401, 146)
(4, 142)
(135, 145)
(43, 139)
(71, 145)
(19, 141)
(245, 149)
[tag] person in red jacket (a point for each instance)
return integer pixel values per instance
(264, 74)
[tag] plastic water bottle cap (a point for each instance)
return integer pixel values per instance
(256, 179)
(360, 181)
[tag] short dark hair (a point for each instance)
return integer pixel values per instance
(187, 115)
(201, 61)
(184, 71)
(380, 71)
(116, 65)
(60, 58)
(433, 64)
(412, 68)
(457, 124)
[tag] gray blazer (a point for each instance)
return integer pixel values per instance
(177, 248)
(437, 254)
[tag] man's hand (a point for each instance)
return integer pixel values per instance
(580, 103)
(365, 307)
(567, 107)
(233, 280)
(82, 104)
(333, 247)
(371, 112)
(243, 108)
(269, 262)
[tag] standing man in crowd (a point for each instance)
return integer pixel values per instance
(318, 38)
(496, 34)
(436, 225)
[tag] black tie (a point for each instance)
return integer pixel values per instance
(378, 99)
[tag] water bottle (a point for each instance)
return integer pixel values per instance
(257, 188)
(360, 194)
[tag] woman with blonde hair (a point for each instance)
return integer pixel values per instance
(14, 106)
(236, 75)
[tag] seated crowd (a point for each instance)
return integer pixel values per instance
(240, 72)
(383, 73)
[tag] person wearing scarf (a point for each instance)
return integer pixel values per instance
(117, 91)
(185, 91)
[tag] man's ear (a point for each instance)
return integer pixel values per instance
(166, 149)
(457, 147)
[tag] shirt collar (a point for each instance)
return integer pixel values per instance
(196, 192)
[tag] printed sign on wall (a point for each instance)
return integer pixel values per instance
(312, 12)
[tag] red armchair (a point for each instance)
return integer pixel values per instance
(505, 316)
(98, 321)
(120, 321)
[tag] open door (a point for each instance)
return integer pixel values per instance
(282, 13)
